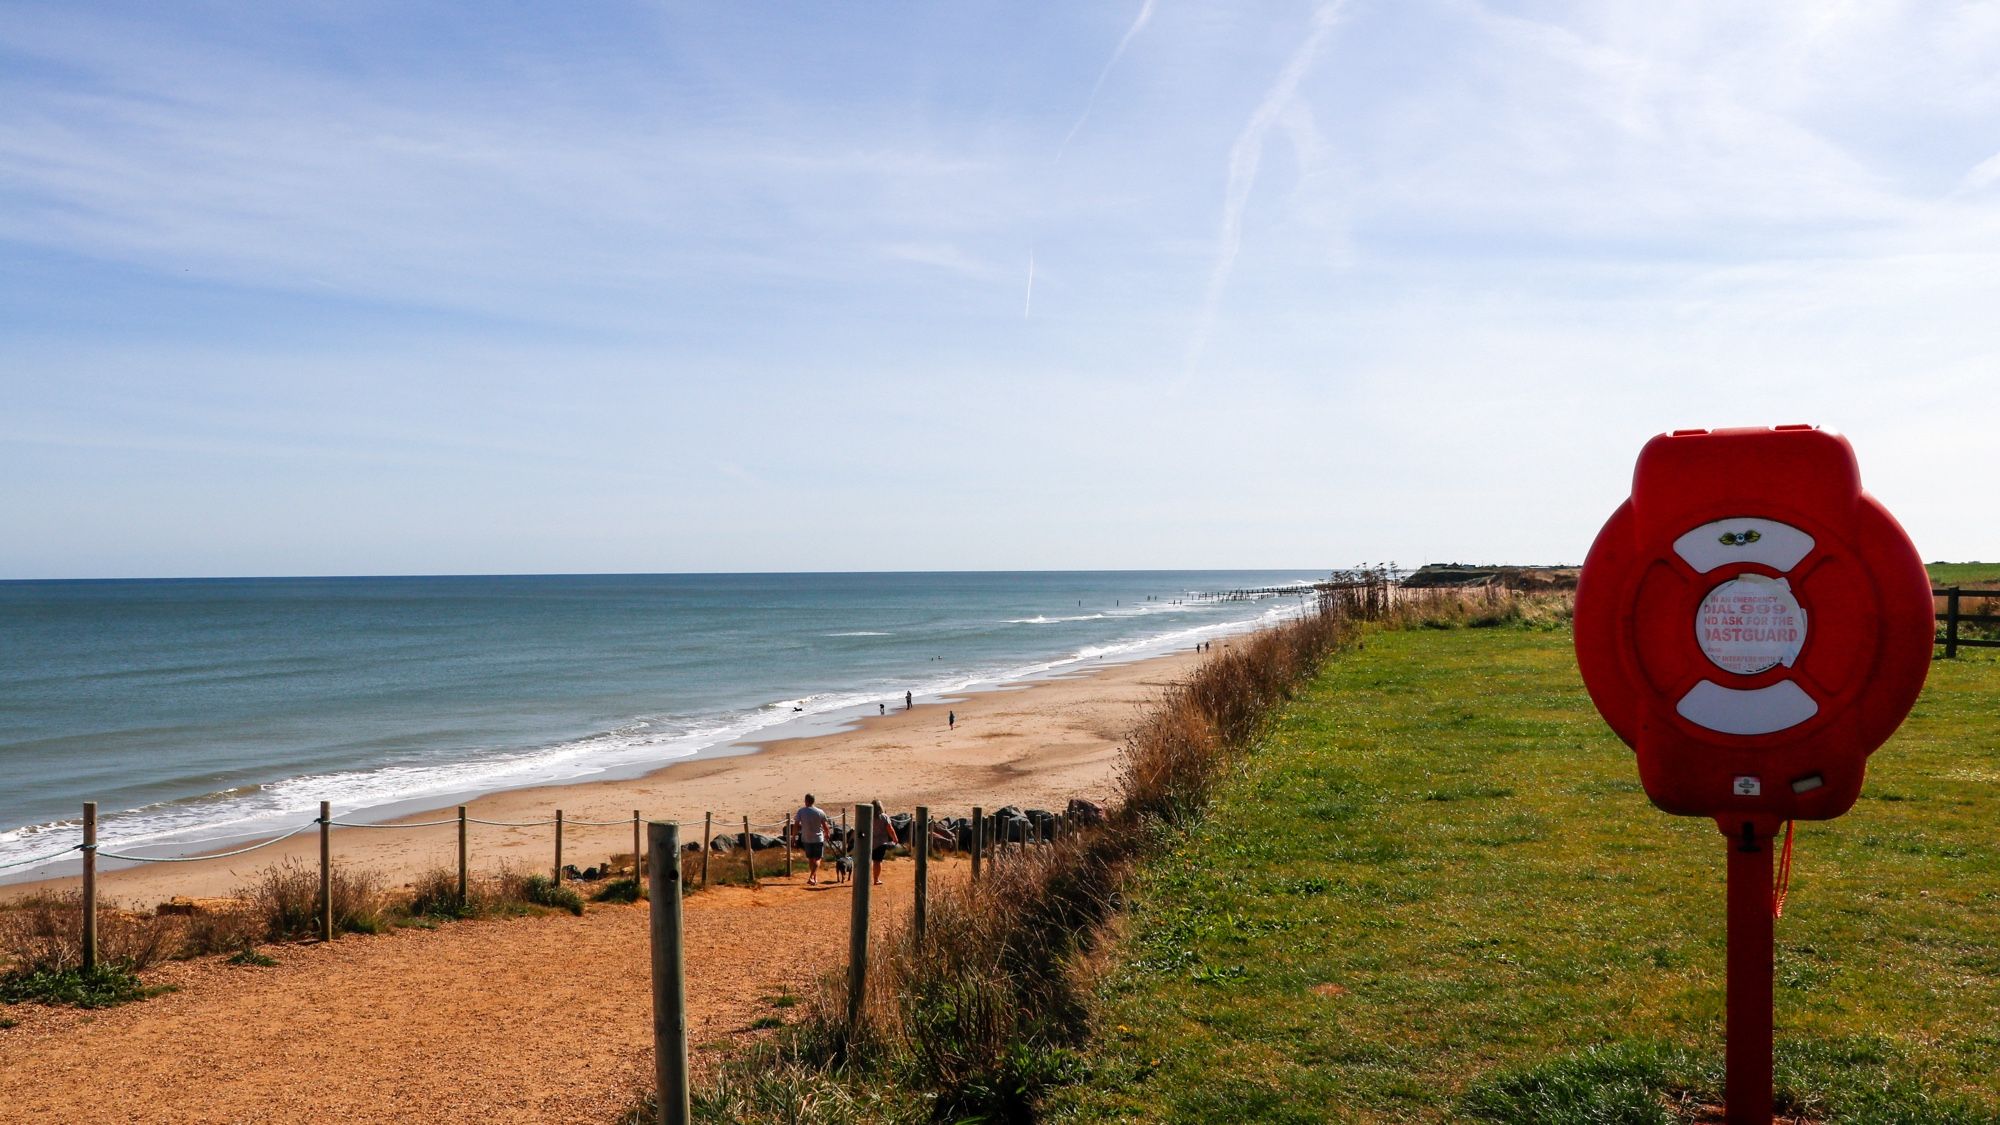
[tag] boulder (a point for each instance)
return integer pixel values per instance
(1044, 822)
(761, 842)
(1085, 812)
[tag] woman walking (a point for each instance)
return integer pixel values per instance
(885, 838)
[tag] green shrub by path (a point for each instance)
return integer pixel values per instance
(1436, 893)
(541, 890)
(620, 890)
(104, 986)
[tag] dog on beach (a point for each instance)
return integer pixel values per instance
(843, 869)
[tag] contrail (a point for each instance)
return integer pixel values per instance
(1031, 286)
(1244, 157)
(1138, 24)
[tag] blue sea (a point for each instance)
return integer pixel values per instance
(202, 710)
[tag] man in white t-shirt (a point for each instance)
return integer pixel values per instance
(809, 826)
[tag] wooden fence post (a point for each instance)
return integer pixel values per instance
(326, 871)
(558, 847)
(638, 854)
(978, 827)
(707, 834)
(857, 945)
(670, 1044)
(1951, 622)
(464, 869)
(922, 828)
(787, 830)
(749, 852)
(89, 886)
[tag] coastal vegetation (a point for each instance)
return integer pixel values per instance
(41, 943)
(990, 1011)
(1484, 920)
(1427, 888)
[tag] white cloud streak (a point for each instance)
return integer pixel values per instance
(1139, 23)
(1244, 158)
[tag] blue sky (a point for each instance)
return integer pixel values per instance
(395, 288)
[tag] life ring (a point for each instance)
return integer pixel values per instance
(1752, 623)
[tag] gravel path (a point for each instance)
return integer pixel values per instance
(527, 1019)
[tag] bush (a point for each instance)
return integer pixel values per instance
(234, 929)
(101, 987)
(285, 898)
(434, 894)
(620, 890)
(43, 933)
(539, 890)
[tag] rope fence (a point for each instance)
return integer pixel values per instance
(40, 858)
(99, 849)
(990, 836)
(416, 824)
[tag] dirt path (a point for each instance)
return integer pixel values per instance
(530, 1019)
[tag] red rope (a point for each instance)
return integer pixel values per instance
(1784, 876)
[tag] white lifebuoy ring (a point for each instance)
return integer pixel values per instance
(1747, 625)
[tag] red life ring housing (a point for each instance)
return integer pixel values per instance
(1752, 623)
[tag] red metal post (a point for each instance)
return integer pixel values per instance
(1747, 1093)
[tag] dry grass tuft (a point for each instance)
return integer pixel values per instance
(43, 933)
(285, 898)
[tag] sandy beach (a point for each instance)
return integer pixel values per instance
(1038, 743)
(558, 1028)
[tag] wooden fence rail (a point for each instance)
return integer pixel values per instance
(1953, 617)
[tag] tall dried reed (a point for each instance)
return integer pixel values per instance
(286, 897)
(981, 1017)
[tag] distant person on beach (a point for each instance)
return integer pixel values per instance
(951, 720)
(907, 701)
(809, 826)
(885, 838)
(882, 708)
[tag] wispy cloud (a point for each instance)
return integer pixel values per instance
(1139, 23)
(658, 237)
(1245, 156)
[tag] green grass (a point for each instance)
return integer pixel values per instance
(1965, 574)
(1436, 893)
